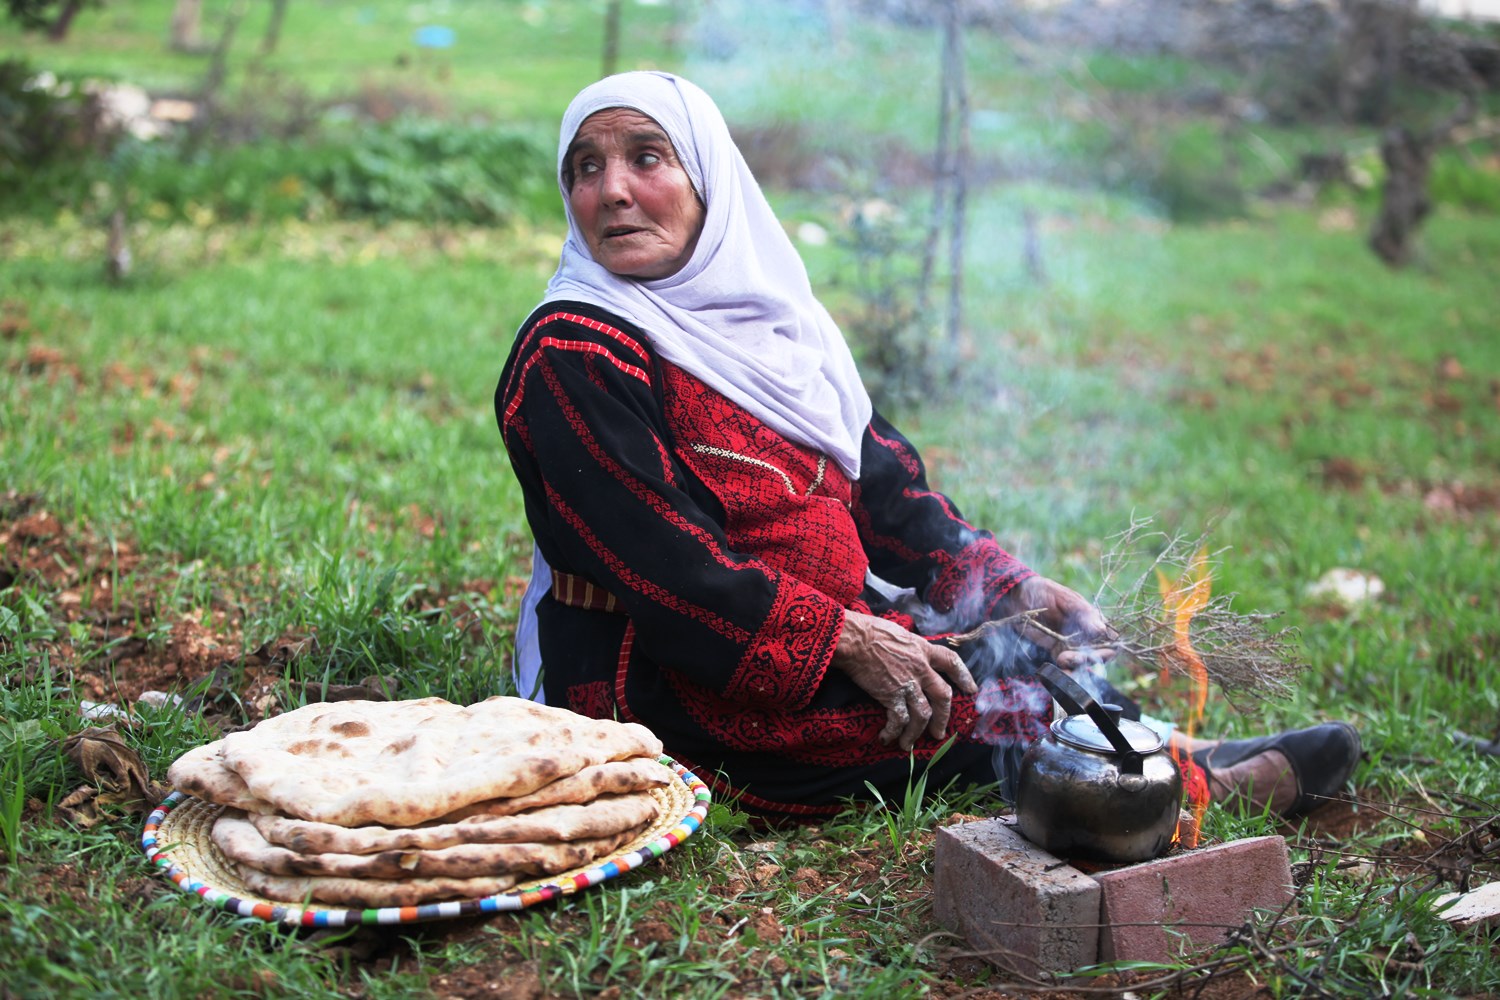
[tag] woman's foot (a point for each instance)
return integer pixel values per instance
(1289, 773)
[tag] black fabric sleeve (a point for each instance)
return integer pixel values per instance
(917, 537)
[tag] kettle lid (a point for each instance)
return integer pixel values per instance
(1082, 732)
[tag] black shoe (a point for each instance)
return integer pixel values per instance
(1322, 757)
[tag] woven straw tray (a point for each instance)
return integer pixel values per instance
(176, 840)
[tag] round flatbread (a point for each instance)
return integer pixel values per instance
(201, 772)
(605, 816)
(610, 778)
(404, 763)
(369, 892)
(240, 841)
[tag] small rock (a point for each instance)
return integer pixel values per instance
(1348, 587)
(159, 699)
(97, 711)
(812, 234)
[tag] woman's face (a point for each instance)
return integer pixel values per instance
(630, 196)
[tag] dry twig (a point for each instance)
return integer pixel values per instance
(1242, 652)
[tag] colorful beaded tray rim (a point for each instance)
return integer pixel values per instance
(175, 840)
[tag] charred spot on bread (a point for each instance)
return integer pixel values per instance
(401, 746)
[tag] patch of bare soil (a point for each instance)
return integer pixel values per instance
(498, 982)
(119, 643)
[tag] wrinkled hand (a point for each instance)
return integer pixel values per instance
(1086, 636)
(901, 670)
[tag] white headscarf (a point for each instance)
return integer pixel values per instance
(740, 315)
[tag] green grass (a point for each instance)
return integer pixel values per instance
(283, 432)
(330, 394)
(512, 60)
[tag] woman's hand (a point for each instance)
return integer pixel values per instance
(1075, 632)
(901, 670)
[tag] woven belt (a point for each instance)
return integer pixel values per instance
(576, 592)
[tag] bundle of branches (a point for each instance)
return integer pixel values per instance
(1156, 591)
(1167, 616)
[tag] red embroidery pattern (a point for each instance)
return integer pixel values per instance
(593, 699)
(899, 617)
(907, 459)
(830, 738)
(786, 661)
(981, 575)
(1014, 725)
(783, 504)
(867, 531)
(517, 387)
(622, 669)
(914, 468)
(844, 738)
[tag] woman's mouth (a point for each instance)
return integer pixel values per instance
(614, 231)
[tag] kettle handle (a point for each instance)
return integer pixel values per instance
(1076, 700)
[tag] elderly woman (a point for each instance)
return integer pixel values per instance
(720, 515)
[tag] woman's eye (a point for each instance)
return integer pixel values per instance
(648, 159)
(586, 167)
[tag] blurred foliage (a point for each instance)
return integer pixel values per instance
(35, 13)
(408, 168)
(1190, 172)
(423, 169)
(1466, 178)
(898, 344)
(39, 127)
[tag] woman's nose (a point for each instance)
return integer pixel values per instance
(616, 185)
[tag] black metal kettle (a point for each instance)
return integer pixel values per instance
(1097, 786)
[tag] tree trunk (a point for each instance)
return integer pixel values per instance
(1031, 247)
(213, 80)
(187, 26)
(1404, 202)
(611, 37)
(1372, 36)
(273, 29)
(1407, 154)
(960, 180)
(117, 249)
(940, 169)
(59, 29)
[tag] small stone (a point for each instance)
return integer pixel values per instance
(96, 711)
(1477, 908)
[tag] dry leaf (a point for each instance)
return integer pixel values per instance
(80, 806)
(114, 768)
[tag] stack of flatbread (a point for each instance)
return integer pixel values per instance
(372, 804)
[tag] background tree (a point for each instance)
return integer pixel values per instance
(1408, 151)
(187, 25)
(950, 174)
(55, 16)
(272, 36)
(1372, 34)
(611, 38)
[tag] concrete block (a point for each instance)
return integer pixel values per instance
(1024, 908)
(1159, 910)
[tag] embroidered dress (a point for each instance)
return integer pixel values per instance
(702, 562)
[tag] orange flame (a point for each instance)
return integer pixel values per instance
(1182, 601)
